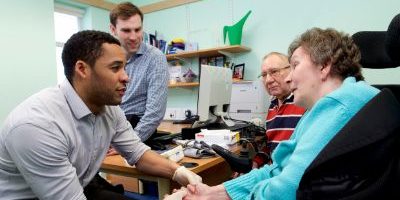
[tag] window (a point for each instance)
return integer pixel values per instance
(66, 23)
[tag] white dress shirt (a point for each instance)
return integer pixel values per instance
(52, 145)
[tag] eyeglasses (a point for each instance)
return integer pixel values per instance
(273, 72)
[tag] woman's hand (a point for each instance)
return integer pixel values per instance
(202, 191)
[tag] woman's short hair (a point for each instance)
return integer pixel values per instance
(331, 46)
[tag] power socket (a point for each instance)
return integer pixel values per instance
(170, 114)
(177, 113)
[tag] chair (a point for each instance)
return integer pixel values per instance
(381, 49)
(363, 161)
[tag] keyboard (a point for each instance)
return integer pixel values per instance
(237, 127)
(167, 138)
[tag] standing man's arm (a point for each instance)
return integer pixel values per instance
(41, 156)
(157, 94)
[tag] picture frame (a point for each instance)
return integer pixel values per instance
(153, 40)
(219, 61)
(146, 38)
(203, 61)
(238, 71)
(211, 61)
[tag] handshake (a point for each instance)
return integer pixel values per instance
(199, 191)
(195, 188)
(184, 177)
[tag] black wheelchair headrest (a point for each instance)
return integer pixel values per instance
(380, 49)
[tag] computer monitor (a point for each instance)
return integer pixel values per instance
(214, 95)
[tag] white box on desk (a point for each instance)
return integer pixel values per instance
(220, 137)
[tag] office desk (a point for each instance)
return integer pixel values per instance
(168, 126)
(213, 171)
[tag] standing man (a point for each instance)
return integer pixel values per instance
(145, 100)
(53, 143)
(282, 115)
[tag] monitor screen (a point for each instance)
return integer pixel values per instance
(214, 93)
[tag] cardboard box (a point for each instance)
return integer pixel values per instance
(220, 137)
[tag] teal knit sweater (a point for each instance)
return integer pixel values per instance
(291, 158)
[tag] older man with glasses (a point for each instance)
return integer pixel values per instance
(282, 115)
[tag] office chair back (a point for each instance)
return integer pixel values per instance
(381, 49)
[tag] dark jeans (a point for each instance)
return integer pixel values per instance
(100, 189)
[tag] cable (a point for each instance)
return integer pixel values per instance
(260, 128)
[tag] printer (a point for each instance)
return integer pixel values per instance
(249, 101)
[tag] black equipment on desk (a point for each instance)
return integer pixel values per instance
(243, 162)
(237, 163)
(190, 119)
(160, 142)
(188, 133)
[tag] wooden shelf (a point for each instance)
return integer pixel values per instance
(235, 80)
(209, 52)
(195, 84)
(183, 84)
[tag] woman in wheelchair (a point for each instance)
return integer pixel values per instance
(325, 79)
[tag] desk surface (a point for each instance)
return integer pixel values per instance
(213, 170)
(117, 164)
(168, 126)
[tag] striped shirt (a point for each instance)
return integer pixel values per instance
(280, 123)
(146, 94)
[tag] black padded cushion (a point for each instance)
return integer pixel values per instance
(392, 42)
(362, 160)
(380, 49)
(395, 89)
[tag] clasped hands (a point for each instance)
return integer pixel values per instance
(193, 181)
(197, 191)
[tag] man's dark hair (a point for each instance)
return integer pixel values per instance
(85, 46)
(124, 11)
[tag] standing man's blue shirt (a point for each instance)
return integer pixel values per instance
(147, 91)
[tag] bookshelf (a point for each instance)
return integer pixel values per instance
(225, 50)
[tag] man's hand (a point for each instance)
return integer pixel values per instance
(111, 151)
(236, 174)
(184, 176)
(202, 191)
(198, 191)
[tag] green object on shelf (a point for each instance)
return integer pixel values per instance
(235, 31)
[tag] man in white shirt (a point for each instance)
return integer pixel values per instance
(53, 143)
